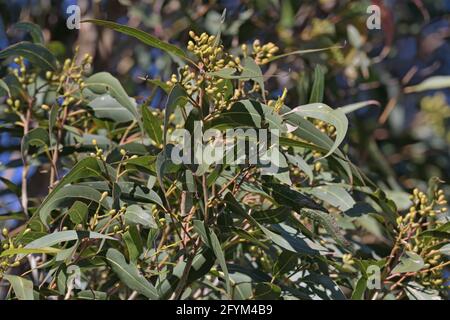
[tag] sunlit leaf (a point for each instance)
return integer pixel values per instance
(23, 288)
(141, 36)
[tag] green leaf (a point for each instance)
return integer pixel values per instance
(286, 262)
(251, 71)
(318, 88)
(63, 236)
(33, 29)
(409, 262)
(65, 195)
(160, 84)
(106, 107)
(153, 234)
(104, 82)
(297, 160)
(334, 195)
(272, 216)
(52, 117)
(303, 205)
(219, 32)
(287, 196)
(152, 126)
(306, 131)
(23, 288)
(133, 242)
(177, 97)
(292, 240)
(360, 289)
(322, 287)
(67, 254)
(287, 15)
(14, 85)
(26, 251)
(78, 212)
(242, 285)
(288, 238)
(37, 137)
(323, 112)
(267, 291)
(36, 53)
(302, 52)
(13, 216)
(329, 223)
(144, 162)
(130, 191)
(247, 114)
(86, 168)
(11, 186)
(415, 291)
(164, 165)
(92, 295)
(136, 215)
(130, 275)
(4, 88)
(201, 265)
(141, 36)
(211, 240)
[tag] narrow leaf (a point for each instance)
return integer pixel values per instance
(130, 275)
(36, 53)
(141, 36)
(22, 287)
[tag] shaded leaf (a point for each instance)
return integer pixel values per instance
(177, 97)
(33, 29)
(211, 240)
(37, 137)
(78, 212)
(267, 291)
(152, 126)
(65, 195)
(11, 186)
(133, 242)
(130, 275)
(360, 289)
(4, 88)
(286, 262)
(36, 53)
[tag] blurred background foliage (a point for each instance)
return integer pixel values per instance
(402, 143)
